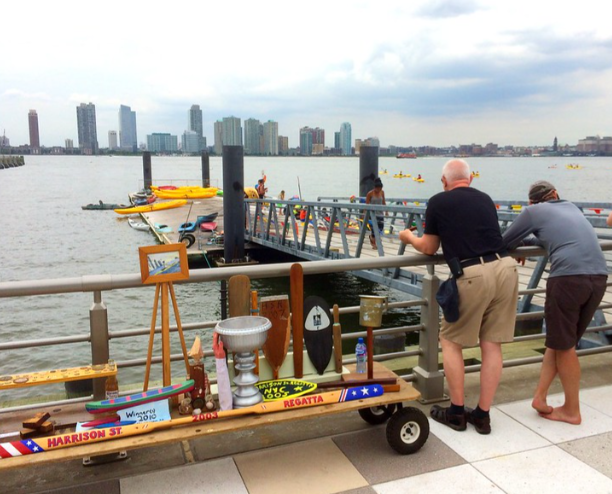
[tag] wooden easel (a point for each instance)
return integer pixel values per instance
(166, 288)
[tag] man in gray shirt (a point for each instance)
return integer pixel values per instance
(575, 287)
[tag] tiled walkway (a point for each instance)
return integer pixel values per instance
(523, 454)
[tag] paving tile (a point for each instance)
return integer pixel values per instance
(548, 469)
(595, 451)
(507, 437)
(311, 467)
(371, 454)
(107, 487)
(360, 490)
(463, 478)
(210, 477)
(593, 421)
(598, 398)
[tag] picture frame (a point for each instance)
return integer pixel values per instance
(163, 263)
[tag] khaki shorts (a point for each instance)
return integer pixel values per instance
(488, 295)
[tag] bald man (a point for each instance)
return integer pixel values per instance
(463, 220)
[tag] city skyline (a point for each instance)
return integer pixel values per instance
(436, 72)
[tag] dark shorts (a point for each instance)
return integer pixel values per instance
(571, 302)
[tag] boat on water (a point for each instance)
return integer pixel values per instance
(402, 175)
(156, 206)
(406, 156)
(102, 206)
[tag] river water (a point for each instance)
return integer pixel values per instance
(46, 234)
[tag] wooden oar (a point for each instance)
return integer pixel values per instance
(276, 309)
(239, 290)
(337, 340)
(30, 446)
(296, 278)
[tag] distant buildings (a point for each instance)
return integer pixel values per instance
(345, 139)
(228, 132)
(128, 140)
(86, 125)
(312, 141)
(253, 137)
(34, 135)
(193, 140)
(595, 145)
(162, 143)
(112, 140)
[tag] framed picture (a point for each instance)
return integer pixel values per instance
(163, 263)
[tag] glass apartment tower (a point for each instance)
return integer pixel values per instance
(345, 138)
(253, 137)
(128, 140)
(270, 138)
(194, 124)
(86, 126)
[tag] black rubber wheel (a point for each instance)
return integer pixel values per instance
(407, 430)
(377, 415)
(188, 239)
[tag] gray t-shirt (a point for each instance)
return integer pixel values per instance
(561, 228)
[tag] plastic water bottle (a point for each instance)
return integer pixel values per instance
(361, 354)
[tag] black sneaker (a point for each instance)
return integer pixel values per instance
(482, 425)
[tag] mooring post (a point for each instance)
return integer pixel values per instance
(233, 202)
(98, 327)
(429, 379)
(205, 169)
(368, 168)
(146, 170)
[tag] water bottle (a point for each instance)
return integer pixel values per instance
(361, 354)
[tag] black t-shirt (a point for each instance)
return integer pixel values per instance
(466, 221)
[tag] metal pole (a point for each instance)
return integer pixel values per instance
(233, 202)
(98, 327)
(429, 380)
(146, 170)
(205, 169)
(368, 168)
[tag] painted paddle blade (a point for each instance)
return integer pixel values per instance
(361, 392)
(296, 278)
(239, 290)
(281, 389)
(318, 332)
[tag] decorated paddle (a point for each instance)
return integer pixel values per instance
(296, 278)
(276, 309)
(139, 398)
(31, 446)
(337, 330)
(239, 290)
(318, 332)
(281, 389)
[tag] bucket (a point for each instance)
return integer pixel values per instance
(371, 309)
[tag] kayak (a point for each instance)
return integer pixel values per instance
(208, 226)
(156, 206)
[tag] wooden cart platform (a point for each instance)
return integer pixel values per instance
(187, 432)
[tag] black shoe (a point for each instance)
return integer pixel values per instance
(482, 425)
(454, 421)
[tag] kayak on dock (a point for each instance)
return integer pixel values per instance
(156, 206)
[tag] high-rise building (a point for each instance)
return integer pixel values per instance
(128, 140)
(306, 141)
(162, 143)
(345, 138)
(218, 137)
(191, 142)
(194, 124)
(318, 136)
(232, 132)
(86, 125)
(270, 138)
(112, 140)
(253, 137)
(34, 135)
(283, 145)
(69, 144)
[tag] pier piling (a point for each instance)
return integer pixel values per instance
(205, 169)
(368, 168)
(146, 170)
(233, 202)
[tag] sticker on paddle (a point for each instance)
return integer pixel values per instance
(281, 389)
(318, 332)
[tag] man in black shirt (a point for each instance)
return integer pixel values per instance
(464, 221)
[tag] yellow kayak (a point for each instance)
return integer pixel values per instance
(156, 206)
(186, 192)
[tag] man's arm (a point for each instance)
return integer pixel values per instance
(518, 230)
(427, 244)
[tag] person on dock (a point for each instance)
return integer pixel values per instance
(575, 287)
(261, 188)
(377, 196)
(464, 221)
(609, 220)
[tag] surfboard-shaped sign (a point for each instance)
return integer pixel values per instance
(318, 333)
(280, 389)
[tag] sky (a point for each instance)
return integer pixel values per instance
(410, 72)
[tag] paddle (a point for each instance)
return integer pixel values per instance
(337, 340)
(276, 309)
(318, 332)
(296, 278)
(239, 290)
(30, 446)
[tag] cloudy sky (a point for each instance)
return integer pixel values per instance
(410, 72)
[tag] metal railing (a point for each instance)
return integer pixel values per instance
(426, 374)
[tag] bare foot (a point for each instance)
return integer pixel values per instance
(541, 406)
(559, 414)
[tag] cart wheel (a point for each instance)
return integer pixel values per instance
(188, 239)
(407, 430)
(377, 415)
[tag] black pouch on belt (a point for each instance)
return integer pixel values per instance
(448, 298)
